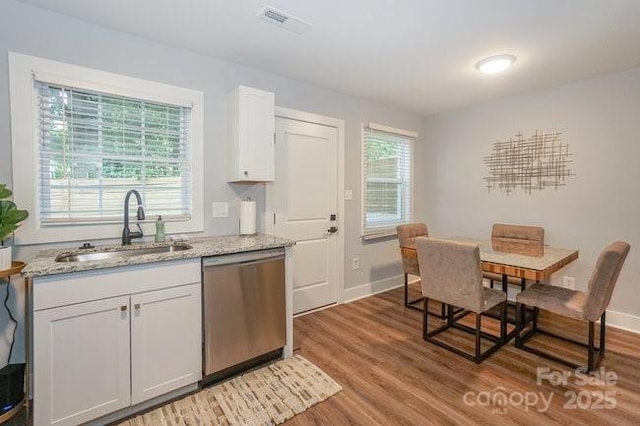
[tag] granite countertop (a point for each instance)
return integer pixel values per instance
(45, 264)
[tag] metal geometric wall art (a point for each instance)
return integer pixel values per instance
(537, 162)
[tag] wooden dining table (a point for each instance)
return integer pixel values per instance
(537, 265)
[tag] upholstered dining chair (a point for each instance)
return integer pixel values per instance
(410, 261)
(520, 239)
(589, 305)
(452, 274)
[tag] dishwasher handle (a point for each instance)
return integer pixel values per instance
(243, 258)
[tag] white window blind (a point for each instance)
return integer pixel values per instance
(94, 147)
(387, 179)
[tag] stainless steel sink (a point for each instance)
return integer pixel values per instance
(79, 256)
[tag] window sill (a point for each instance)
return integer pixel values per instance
(379, 235)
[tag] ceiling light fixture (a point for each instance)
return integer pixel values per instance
(495, 64)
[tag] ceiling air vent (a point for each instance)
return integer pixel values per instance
(283, 20)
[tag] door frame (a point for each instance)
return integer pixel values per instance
(268, 225)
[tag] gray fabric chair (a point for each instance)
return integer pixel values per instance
(410, 261)
(452, 274)
(589, 305)
(521, 239)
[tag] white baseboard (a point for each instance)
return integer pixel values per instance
(321, 308)
(369, 289)
(623, 321)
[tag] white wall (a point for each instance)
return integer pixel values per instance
(29, 30)
(600, 120)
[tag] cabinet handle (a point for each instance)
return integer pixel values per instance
(137, 306)
(246, 173)
(123, 308)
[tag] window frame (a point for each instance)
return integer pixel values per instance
(371, 233)
(23, 71)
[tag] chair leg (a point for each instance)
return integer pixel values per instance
(449, 314)
(424, 320)
(518, 322)
(594, 354)
(411, 303)
(478, 331)
(521, 324)
(406, 289)
(503, 322)
(451, 321)
(603, 330)
(590, 348)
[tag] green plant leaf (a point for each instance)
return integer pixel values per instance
(10, 215)
(4, 191)
(5, 208)
(15, 216)
(6, 230)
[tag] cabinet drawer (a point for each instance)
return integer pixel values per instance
(67, 289)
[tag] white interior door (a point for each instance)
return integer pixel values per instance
(303, 200)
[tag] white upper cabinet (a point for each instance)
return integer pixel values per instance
(251, 129)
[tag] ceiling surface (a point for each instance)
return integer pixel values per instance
(417, 55)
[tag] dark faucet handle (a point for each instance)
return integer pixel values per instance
(140, 231)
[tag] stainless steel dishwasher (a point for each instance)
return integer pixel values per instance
(243, 310)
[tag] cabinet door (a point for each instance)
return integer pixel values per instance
(251, 132)
(256, 134)
(81, 361)
(166, 341)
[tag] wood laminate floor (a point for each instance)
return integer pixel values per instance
(373, 347)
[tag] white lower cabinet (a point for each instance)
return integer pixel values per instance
(96, 357)
(164, 332)
(82, 366)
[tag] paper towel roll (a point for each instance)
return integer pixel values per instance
(247, 217)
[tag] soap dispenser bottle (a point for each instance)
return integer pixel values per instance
(159, 230)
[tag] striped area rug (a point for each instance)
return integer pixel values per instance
(267, 396)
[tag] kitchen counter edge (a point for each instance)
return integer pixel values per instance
(44, 264)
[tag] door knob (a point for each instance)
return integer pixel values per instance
(332, 230)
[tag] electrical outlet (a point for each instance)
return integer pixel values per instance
(569, 282)
(348, 194)
(219, 210)
(356, 263)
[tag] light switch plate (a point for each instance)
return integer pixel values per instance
(348, 194)
(220, 210)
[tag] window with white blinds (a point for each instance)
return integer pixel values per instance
(81, 138)
(387, 178)
(94, 147)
